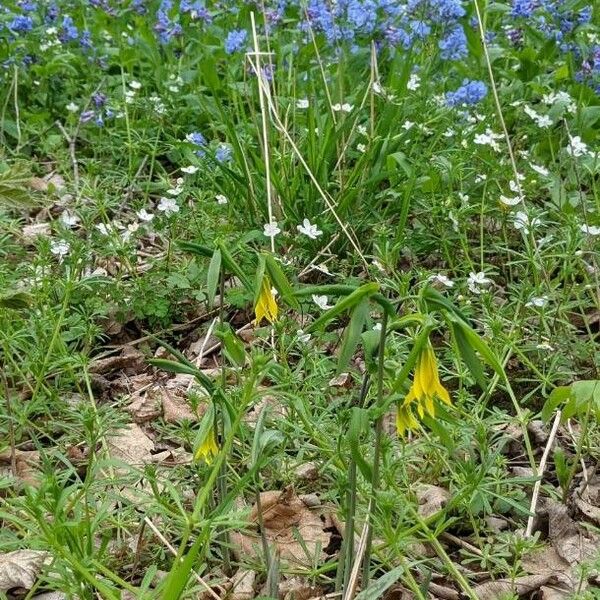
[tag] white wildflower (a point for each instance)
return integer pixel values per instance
(144, 215)
(221, 199)
(445, 281)
(60, 248)
(271, 229)
(537, 302)
(308, 229)
(168, 206)
(510, 201)
(576, 147)
(68, 219)
(590, 229)
(303, 338)
(414, 82)
(302, 103)
(135, 85)
(523, 222)
(342, 107)
(321, 301)
(189, 170)
(72, 107)
(477, 281)
(539, 170)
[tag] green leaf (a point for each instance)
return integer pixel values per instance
(477, 343)
(468, 355)
(232, 345)
(172, 366)
(352, 334)
(233, 267)
(379, 587)
(15, 300)
(280, 281)
(197, 249)
(359, 424)
(411, 359)
(344, 304)
(212, 277)
(557, 397)
(176, 580)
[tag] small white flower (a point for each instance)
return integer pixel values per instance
(449, 132)
(480, 178)
(524, 222)
(510, 201)
(545, 346)
(60, 248)
(168, 206)
(308, 229)
(537, 302)
(540, 120)
(135, 85)
(68, 219)
(271, 229)
(175, 191)
(590, 229)
(414, 82)
(144, 215)
(464, 198)
(407, 125)
(362, 130)
(303, 338)
(129, 230)
(576, 147)
(72, 107)
(361, 147)
(342, 107)
(302, 103)
(540, 170)
(476, 281)
(103, 228)
(321, 301)
(445, 281)
(221, 199)
(189, 170)
(377, 327)
(489, 138)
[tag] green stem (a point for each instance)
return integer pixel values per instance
(377, 451)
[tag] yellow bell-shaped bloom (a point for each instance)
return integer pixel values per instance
(425, 388)
(208, 449)
(266, 306)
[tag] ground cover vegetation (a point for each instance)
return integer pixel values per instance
(299, 299)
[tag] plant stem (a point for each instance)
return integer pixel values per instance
(377, 449)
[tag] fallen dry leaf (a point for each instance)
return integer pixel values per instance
(501, 588)
(276, 410)
(587, 499)
(343, 380)
(30, 233)
(243, 585)
(130, 360)
(145, 406)
(20, 569)
(27, 463)
(131, 445)
(572, 542)
(286, 521)
(297, 588)
(431, 499)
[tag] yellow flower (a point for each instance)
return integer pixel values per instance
(266, 306)
(425, 388)
(208, 449)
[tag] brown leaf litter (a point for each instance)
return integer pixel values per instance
(20, 569)
(296, 532)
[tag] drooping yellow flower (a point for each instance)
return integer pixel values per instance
(425, 388)
(266, 306)
(208, 449)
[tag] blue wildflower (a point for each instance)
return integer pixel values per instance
(453, 45)
(235, 41)
(223, 153)
(420, 29)
(68, 32)
(21, 24)
(470, 92)
(198, 140)
(362, 15)
(522, 8)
